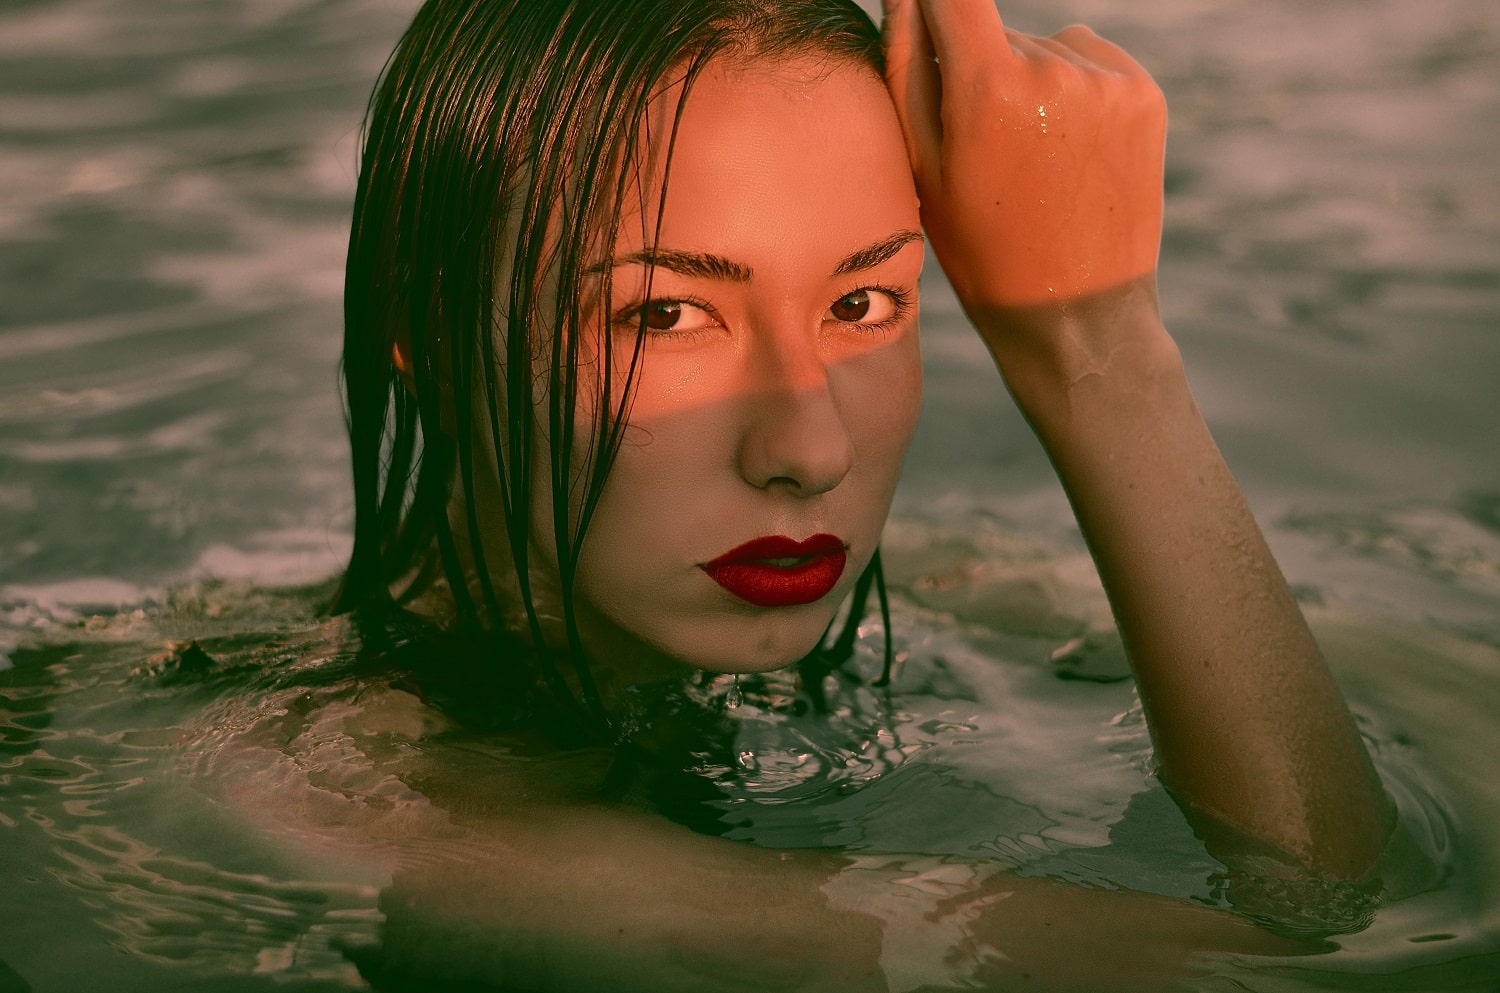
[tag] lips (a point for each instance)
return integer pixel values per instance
(779, 572)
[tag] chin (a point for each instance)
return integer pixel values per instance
(759, 644)
(714, 640)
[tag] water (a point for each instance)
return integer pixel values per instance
(175, 189)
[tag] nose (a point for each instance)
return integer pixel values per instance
(794, 437)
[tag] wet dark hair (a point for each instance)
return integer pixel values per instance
(495, 162)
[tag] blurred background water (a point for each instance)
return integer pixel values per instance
(175, 181)
(174, 190)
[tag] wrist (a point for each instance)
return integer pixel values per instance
(1109, 352)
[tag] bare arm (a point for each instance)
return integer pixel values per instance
(607, 899)
(593, 899)
(1039, 161)
(498, 870)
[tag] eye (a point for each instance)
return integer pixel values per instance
(672, 317)
(869, 307)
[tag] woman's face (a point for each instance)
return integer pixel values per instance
(780, 379)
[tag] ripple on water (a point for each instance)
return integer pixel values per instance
(177, 182)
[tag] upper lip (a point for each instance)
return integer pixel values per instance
(779, 546)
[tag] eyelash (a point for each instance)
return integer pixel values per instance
(901, 298)
(631, 316)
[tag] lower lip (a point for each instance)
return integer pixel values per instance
(765, 585)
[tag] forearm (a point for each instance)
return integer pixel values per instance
(646, 905)
(608, 900)
(1247, 722)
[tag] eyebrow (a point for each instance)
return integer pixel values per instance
(881, 251)
(700, 264)
(709, 266)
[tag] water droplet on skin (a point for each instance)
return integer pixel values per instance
(733, 698)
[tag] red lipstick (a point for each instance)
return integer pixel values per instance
(779, 572)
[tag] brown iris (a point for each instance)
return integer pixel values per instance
(851, 307)
(661, 315)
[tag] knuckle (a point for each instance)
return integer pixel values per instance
(1148, 96)
(1074, 33)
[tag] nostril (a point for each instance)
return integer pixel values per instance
(800, 449)
(794, 439)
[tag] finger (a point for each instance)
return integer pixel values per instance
(1103, 53)
(967, 36)
(1031, 48)
(915, 83)
(1033, 45)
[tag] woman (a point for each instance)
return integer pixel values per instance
(631, 362)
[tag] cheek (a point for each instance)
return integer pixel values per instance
(881, 399)
(665, 490)
(675, 497)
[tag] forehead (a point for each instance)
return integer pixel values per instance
(776, 157)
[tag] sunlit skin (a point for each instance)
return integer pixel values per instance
(1247, 722)
(767, 405)
(780, 380)
(1039, 166)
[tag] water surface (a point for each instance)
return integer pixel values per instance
(176, 185)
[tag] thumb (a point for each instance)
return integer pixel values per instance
(915, 82)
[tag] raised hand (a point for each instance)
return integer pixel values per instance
(1038, 160)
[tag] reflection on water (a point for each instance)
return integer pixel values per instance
(174, 202)
(144, 754)
(109, 856)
